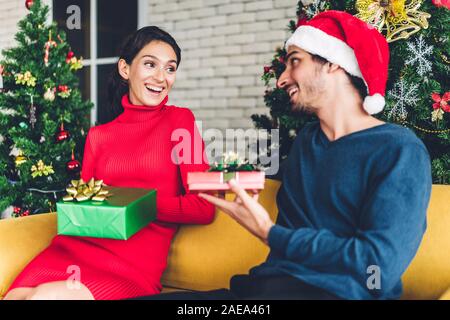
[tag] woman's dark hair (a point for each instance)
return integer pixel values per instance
(118, 86)
(357, 82)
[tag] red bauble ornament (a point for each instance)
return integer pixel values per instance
(28, 4)
(73, 165)
(26, 213)
(63, 88)
(62, 134)
(69, 56)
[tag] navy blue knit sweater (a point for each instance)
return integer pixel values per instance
(351, 211)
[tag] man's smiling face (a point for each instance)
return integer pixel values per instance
(303, 80)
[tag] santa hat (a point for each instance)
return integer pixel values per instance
(354, 45)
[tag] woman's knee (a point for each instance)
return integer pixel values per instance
(20, 293)
(44, 291)
(60, 291)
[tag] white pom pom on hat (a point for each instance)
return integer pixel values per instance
(374, 104)
(351, 43)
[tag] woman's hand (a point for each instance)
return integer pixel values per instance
(245, 210)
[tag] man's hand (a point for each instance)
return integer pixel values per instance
(245, 210)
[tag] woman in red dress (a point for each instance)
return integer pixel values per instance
(136, 149)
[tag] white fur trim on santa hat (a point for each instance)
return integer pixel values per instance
(374, 104)
(320, 43)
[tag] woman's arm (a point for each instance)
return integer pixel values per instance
(187, 208)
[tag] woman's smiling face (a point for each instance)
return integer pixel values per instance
(151, 74)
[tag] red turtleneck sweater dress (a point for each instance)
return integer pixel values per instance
(134, 150)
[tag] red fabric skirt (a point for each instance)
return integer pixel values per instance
(110, 269)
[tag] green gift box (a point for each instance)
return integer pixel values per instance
(120, 216)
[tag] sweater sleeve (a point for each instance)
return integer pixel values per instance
(88, 165)
(186, 208)
(391, 226)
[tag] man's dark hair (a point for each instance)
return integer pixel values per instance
(357, 82)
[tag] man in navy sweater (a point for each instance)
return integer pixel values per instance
(355, 190)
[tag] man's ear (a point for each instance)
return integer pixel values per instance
(123, 68)
(332, 67)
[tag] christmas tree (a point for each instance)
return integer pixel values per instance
(417, 94)
(43, 120)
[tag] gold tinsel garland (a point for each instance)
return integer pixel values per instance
(406, 123)
(445, 59)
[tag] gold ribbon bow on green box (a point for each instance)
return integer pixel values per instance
(83, 191)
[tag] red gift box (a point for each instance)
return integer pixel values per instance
(216, 180)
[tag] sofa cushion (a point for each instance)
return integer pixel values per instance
(21, 239)
(206, 257)
(428, 276)
(446, 295)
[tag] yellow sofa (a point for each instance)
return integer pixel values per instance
(205, 257)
